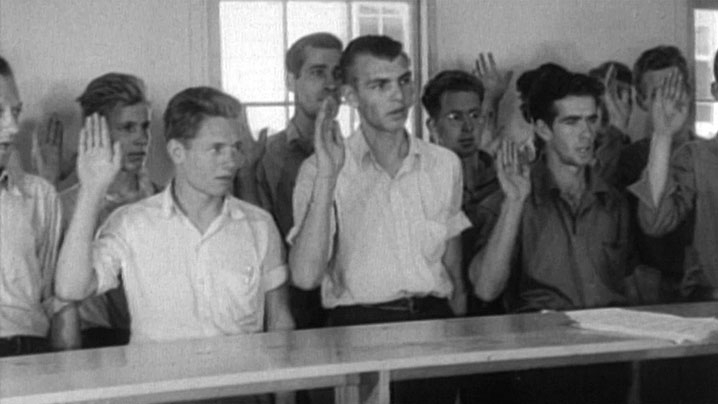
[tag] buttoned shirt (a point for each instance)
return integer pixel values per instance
(30, 221)
(181, 283)
(691, 189)
(391, 233)
(110, 309)
(568, 259)
(277, 173)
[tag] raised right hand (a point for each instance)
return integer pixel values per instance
(669, 110)
(617, 101)
(98, 160)
(514, 175)
(328, 140)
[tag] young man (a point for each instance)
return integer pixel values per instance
(378, 216)
(678, 188)
(311, 64)
(195, 262)
(31, 318)
(453, 100)
(561, 240)
(667, 252)
(120, 99)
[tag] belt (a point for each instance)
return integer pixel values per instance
(21, 343)
(411, 304)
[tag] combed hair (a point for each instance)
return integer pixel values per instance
(555, 84)
(449, 81)
(379, 46)
(188, 108)
(296, 55)
(527, 80)
(110, 90)
(5, 69)
(658, 58)
(623, 73)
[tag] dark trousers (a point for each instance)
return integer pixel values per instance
(99, 337)
(23, 345)
(434, 391)
(691, 380)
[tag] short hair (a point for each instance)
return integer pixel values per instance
(5, 69)
(528, 79)
(379, 46)
(190, 107)
(449, 81)
(658, 58)
(555, 85)
(110, 90)
(296, 55)
(623, 73)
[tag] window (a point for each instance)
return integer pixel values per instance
(705, 44)
(255, 35)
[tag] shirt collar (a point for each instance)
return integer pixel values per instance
(12, 179)
(231, 207)
(294, 138)
(545, 187)
(362, 152)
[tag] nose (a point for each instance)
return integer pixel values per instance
(467, 124)
(589, 130)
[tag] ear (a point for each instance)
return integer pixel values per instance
(291, 81)
(714, 90)
(176, 150)
(350, 96)
(433, 133)
(543, 130)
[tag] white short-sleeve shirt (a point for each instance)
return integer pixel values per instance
(181, 283)
(390, 234)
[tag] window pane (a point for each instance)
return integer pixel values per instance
(368, 26)
(394, 28)
(274, 118)
(307, 17)
(252, 50)
(704, 78)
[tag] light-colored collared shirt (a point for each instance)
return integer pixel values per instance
(110, 309)
(391, 233)
(181, 283)
(30, 221)
(691, 194)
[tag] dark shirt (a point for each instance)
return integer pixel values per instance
(277, 174)
(610, 142)
(570, 260)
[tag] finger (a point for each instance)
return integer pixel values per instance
(509, 75)
(484, 65)
(104, 133)
(492, 63)
(55, 134)
(318, 125)
(262, 138)
(82, 142)
(337, 134)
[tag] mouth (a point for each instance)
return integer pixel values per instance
(466, 141)
(585, 151)
(225, 178)
(6, 145)
(398, 113)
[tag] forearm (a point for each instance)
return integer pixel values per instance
(490, 268)
(279, 317)
(452, 262)
(309, 255)
(65, 329)
(658, 166)
(75, 278)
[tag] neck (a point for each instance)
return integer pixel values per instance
(386, 146)
(201, 209)
(304, 124)
(125, 181)
(570, 179)
(470, 168)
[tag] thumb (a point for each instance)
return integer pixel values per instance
(262, 138)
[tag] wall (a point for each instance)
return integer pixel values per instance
(579, 34)
(56, 47)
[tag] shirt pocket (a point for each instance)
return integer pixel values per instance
(236, 297)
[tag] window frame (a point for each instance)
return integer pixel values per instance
(419, 25)
(691, 57)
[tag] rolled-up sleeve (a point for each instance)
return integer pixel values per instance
(677, 200)
(109, 252)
